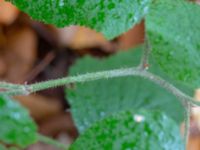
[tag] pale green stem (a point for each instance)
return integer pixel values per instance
(50, 141)
(27, 89)
(5, 85)
(144, 64)
(187, 123)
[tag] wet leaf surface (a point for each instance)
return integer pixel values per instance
(112, 17)
(132, 130)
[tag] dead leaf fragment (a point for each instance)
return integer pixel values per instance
(20, 53)
(77, 37)
(39, 106)
(8, 13)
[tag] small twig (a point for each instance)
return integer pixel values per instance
(50, 141)
(144, 64)
(45, 62)
(27, 89)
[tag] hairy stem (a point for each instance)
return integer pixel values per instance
(50, 141)
(144, 64)
(5, 85)
(27, 89)
(187, 123)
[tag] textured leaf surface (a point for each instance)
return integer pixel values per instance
(111, 17)
(95, 100)
(174, 32)
(141, 130)
(16, 127)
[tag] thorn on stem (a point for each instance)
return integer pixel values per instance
(146, 66)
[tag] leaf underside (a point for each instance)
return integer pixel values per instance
(95, 100)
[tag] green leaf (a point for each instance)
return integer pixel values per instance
(173, 29)
(141, 130)
(16, 127)
(95, 100)
(111, 17)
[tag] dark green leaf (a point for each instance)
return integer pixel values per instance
(141, 130)
(94, 100)
(111, 17)
(174, 32)
(16, 127)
